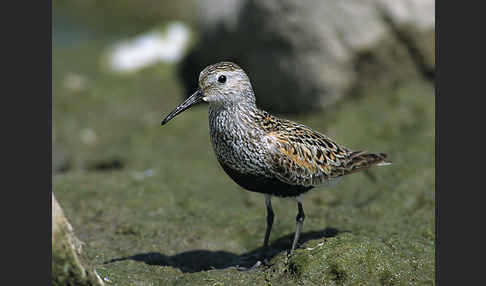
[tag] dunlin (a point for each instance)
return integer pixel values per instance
(266, 154)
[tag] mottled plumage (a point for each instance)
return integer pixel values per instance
(263, 153)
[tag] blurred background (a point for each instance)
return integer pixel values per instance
(361, 72)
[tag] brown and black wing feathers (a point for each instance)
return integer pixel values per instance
(302, 156)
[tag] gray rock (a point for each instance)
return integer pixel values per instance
(302, 55)
(69, 266)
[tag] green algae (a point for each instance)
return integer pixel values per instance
(153, 229)
(359, 260)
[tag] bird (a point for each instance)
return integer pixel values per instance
(266, 154)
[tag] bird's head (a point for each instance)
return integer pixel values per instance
(221, 84)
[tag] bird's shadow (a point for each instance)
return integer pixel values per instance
(202, 260)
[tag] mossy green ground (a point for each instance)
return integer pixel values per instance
(167, 214)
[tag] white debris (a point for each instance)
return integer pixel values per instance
(312, 248)
(150, 48)
(145, 174)
(88, 136)
(74, 82)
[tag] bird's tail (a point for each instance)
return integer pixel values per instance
(359, 161)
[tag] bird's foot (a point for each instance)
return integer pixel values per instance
(292, 250)
(262, 259)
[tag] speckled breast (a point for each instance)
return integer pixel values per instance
(235, 144)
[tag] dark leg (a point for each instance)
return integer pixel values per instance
(300, 222)
(270, 216)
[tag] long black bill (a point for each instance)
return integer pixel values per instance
(190, 101)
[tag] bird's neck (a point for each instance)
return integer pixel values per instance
(233, 132)
(233, 117)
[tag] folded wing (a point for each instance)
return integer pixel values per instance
(300, 156)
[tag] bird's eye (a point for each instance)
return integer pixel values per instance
(222, 78)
